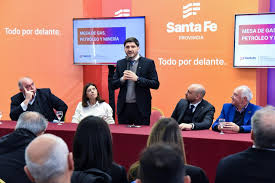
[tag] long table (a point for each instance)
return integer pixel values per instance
(203, 148)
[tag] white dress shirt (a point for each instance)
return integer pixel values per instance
(193, 110)
(195, 105)
(102, 110)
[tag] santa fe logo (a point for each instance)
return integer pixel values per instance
(190, 9)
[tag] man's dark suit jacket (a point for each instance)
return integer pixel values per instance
(12, 155)
(148, 78)
(251, 166)
(203, 115)
(46, 100)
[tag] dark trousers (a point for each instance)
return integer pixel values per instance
(111, 91)
(131, 115)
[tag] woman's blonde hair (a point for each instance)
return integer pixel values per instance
(167, 130)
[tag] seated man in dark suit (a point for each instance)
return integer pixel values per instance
(12, 146)
(237, 114)
(193, 112)
(31, 99)
(256, 164)
(162, 163)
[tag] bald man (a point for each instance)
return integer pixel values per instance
(48, 160)
(193, 112)
(32, 99)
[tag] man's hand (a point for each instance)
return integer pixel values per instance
(230, 127)
(129, 75)
(185, 126)
(28, 95)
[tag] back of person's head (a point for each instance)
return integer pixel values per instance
(161, 163)
(263, 127)
(92, 146)
(32, 121)
(166, 130)
(48, 160)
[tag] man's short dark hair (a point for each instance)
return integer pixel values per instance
(131, 39)
(161, 163)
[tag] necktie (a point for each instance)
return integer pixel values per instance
(191, 108)
(132, 63)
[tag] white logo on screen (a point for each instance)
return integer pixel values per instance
(190, 9)
(122, 13)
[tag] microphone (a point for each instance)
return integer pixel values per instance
(128, 59)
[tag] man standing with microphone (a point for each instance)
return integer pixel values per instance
(135, 76)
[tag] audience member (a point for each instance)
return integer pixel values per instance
(193, 112)
(255, 164)
(92, 104)
(12, 146)
(48, 160)
(135, 76)
(237, 114)
(32, 99)
(93, 157)
(166, 130)
(162, 163)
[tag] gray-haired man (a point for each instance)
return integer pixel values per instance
(256, 164)
(12, 146)
(238, 113)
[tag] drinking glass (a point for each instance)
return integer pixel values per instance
(0, 117)
(59, 115)
(221, 123)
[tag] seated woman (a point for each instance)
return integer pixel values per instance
(92, 152)
(92, 104)
(167, 130)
